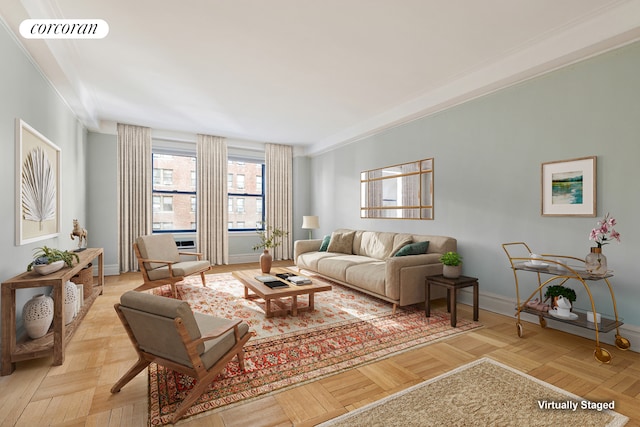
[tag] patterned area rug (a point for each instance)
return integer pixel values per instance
(346, 329)
(481, 393)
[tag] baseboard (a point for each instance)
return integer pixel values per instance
(506, 306)
(109, 270)
(244, 258)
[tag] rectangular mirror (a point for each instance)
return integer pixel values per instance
(402, 191)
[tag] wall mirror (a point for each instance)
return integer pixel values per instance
(403, 191)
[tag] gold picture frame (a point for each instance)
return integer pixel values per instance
(37, 186)
(569, 187)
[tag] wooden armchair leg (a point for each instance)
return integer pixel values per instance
(130, 374)
(241, 359)
(204, 281)
(189, 400)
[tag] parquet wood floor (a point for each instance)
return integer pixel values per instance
(77, 393)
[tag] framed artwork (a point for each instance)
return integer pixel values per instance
(569, 187)
(37, 186)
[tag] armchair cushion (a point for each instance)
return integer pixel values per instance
(215, 348)
(161, 247)
(147, 314)
(184, 268)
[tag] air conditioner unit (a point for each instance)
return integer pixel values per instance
(186, 244)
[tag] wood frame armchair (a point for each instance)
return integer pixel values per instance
(161, 264)
(165, 331)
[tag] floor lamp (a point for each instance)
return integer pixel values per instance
(310, 223)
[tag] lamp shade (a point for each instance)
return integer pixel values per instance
(310, 222)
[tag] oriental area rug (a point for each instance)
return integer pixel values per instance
(482, 393)
(346, 329)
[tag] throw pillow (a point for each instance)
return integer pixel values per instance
(325, 243)
(341, 242)
(416, 248)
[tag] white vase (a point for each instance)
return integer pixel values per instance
(37, 315)
(451, 271)
(70, 297)
(45, 269)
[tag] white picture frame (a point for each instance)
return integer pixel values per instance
(569, 187)
(37, 185)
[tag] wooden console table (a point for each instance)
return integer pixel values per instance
(54, 342)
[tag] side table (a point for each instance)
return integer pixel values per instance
(452, 286)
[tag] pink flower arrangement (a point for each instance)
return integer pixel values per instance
(604, 232)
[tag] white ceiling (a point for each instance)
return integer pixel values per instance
(309, 72)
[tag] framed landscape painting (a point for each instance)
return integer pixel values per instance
(569, 187)
(37, 186)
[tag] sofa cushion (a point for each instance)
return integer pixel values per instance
(325, 243)
(336, 266)
(377, 245)
(310, 259)
(416, 248)
(341, 242)
(400, 241)
(369, 276)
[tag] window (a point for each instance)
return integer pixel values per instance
(248, 195)
(174, 191)
(162, 176)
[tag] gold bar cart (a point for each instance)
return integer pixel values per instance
(561, 269)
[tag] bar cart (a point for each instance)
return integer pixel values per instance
(559, 269)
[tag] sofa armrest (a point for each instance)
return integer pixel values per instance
(302, 246)
(394, 265)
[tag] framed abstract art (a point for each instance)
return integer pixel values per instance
(569, 187)
(37, 186)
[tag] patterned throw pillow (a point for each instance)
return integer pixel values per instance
(325, 243)
(416, 248)
(341, 242)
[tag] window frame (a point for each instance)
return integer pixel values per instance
(246, 195)
(160, 151)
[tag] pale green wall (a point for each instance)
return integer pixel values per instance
(25, 94)
(488, 156)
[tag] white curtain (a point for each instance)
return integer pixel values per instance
(213, 236)
(134, 191)
(279, 194)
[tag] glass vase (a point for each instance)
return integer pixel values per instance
(596, 262)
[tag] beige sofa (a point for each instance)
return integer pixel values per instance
(373, 262)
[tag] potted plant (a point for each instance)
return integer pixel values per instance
(452, 265)
(269, 238)
(554, 291)
(48, 260)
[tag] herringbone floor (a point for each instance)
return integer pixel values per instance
(77, 393)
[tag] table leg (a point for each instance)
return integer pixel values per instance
(452, 294)
(101, 271)
(246, 292)
(475, 302)
(58, 325)
(294, 305)
(311, 299)
(427, 301)
(8, 329)
(267, 306)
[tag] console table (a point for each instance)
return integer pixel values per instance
(54, 342)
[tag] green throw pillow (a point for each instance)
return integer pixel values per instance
(416, 248)
(325, 244)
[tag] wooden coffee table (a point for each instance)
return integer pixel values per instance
(276, 296)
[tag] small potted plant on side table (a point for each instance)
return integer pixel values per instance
(452, 265)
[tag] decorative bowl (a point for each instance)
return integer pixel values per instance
(45, 269)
